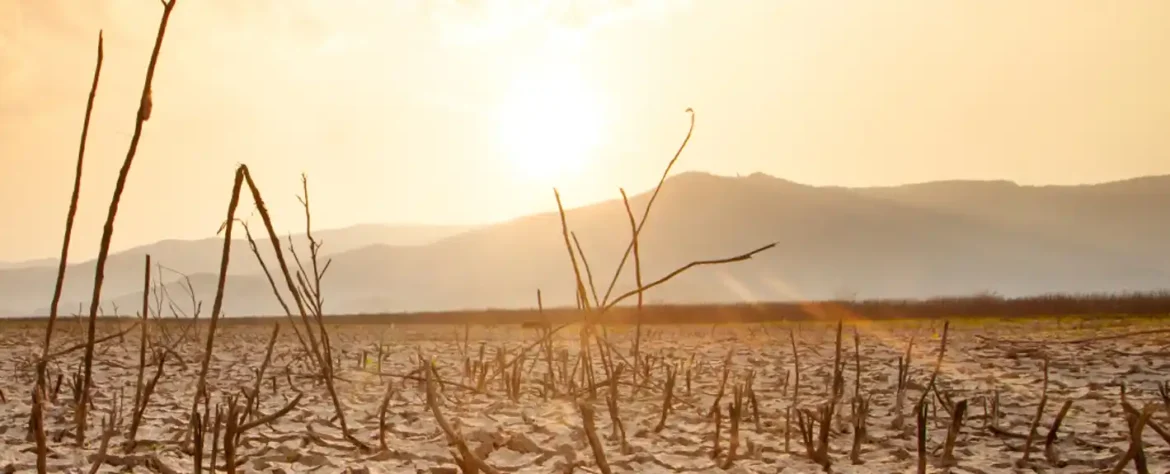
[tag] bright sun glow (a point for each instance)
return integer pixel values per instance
(549, 123)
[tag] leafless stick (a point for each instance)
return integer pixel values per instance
(38, 429)
(104, 448)
(141, 347)
(548, 345)
(957, 414)
(467, 457)
(38, 421)
(588, 272)
(197, 427)
(382, 415)
(1049, 441)
(646, 213)
(716, 450)
(100, 340)
(260, 373)
(144, 108)
(668, 397)
(580, 288)
(263, 420)
(1135, 440)
(272, 283)
(735, 412)
(669, 276)
(322, 352)
(722, 384)
(637, 281)
(860, 413)
(230, 436)
(838, 388)
(591, 434)
(1129, 409)
(215, 435)
(140, 406)
(937, 364)
(262, 209)
(1036, 420)
(217, 304)
(920, 415)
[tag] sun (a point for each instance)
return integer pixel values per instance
(549, 123)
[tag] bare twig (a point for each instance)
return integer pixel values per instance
(637, 281)
(591, 434)
(467, 459)
(669, 276)
(217, 304)
(138, 387)
(144, 108)
(646, 213)
(1036, 419)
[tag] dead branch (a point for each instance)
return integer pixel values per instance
(937, 364)
(38, 413)
(957, 414)
(108, 230)
(467, 460)
(591, 434)
(1036, 419)
(1136, 426)
(1049, 441)
(646, 213)
(680, 270)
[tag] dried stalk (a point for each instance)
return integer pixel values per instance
(140, 405)
(382, 415)
(716, 450)
(197, 427)
(1049, 441)
(217, 304)
(957, 414)
(646, 213)
(637, 281)
(860, 413)
(680, 270)
(1036, 419)
(900, 394)
(588, 272)
(138, 387)
(144, 109)
(104, 447)
(795, 391)
(591, 434)
(920, 416)
(272, 284)
(467, 460)
(230, 435)
(722, 384)
(255, 396)
(37, 421)
(937, 364)
(735, 412)
(668, 397)
(1136, 426)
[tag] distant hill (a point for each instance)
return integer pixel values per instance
(920, 240)
(27, 287)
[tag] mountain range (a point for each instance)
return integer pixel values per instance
(910, 241)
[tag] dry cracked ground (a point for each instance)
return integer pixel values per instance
(542, 431)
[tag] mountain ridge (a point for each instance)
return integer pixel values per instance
(928, 239)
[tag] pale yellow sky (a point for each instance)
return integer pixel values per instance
(412, 111)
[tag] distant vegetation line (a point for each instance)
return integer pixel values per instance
(1155, 303)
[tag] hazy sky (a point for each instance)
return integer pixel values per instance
(442, 111)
